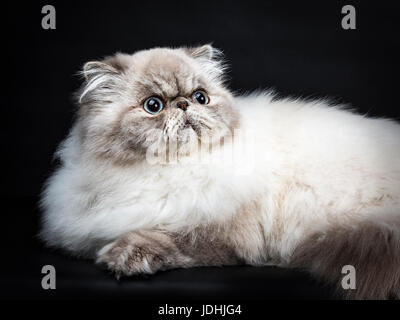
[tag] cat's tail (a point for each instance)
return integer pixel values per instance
(361, 261)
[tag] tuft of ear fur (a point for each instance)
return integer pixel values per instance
(211, 60)
(93, 68)
(101, 80)
(206, 51)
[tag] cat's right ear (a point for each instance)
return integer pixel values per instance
(97, 68)
(102, 80)
(112, 66)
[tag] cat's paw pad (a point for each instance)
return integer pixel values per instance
(132, 255)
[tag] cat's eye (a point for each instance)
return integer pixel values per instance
(153, 105)
(201, 97)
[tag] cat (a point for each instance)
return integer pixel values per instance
(321, 189)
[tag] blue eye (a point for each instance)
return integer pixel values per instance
(153, 105)
(201, 97)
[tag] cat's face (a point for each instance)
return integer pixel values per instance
(154, 98)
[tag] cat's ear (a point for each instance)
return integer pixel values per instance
(102, 79)
(113, 65)
(211, 61)
(97, 68)
(207, 52)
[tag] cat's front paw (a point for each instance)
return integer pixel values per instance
(139, 252)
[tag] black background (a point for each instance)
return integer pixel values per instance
(296, 47)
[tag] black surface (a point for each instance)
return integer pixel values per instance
(296, 47)
(81, 279)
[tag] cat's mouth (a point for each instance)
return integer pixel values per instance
(190, 124)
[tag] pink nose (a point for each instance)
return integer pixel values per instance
(182, 104)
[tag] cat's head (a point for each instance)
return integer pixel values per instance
(129, 103)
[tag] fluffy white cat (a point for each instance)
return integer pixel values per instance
(312, 185)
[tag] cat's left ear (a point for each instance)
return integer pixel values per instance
(211, 61)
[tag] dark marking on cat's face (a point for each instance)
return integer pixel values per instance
(117, 127)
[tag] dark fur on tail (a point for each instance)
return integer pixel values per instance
(373, 250)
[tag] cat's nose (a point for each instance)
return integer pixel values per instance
(182, 104)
